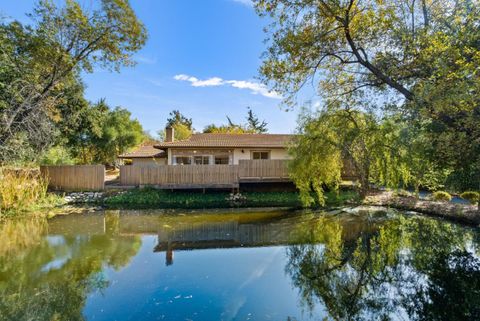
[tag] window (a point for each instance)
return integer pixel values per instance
(221, 160)
(183, 160)
(261, 155)
(201, 160)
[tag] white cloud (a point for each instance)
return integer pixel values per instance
(254, 87)
(248, 3)
(145, 60)
(214, 81)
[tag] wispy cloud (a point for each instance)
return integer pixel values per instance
(214, 81)
(248, 3)
(254, 87)
(145, 60)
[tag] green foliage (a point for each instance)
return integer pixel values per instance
(253, 126)
(176, 117)
(442, 196)
(101, 134)
(41, 64)
(331, 137)
(57, 155)
(472, 197)
(118, 134)
(154, 198)
(425, 70)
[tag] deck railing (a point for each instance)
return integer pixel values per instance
(177, 176)
(188, 176)
(263, 169)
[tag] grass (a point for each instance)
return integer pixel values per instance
(24, 191)
(153, 198)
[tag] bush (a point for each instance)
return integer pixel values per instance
(20, 189)
(442, 196)
(472, 197)
(57, 156)
(153, 198)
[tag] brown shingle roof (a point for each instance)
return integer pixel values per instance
(232, 141)
(147, 151)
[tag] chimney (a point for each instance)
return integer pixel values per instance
(169, 134)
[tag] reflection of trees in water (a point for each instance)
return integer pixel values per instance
(413, 268)
(50, 281)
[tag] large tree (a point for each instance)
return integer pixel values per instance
(40, 61)
(420, 56)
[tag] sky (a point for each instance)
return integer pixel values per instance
(201, 57)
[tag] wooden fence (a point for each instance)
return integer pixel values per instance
(180, 176)
(273, 169)
(75, 177)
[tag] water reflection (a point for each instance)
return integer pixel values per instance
(372, 265)
(49, 277)
(418, 269)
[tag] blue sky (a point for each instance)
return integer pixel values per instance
(202, 57)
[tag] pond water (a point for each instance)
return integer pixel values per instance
(239, 265)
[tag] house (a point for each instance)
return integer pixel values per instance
(224, 149)
(211, 149)
(210, 161)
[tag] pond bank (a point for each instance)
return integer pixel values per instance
(464, 213)
(154, 198)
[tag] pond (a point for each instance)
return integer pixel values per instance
(360, 264)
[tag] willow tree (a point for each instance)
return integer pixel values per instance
(422, 55)
(332, 137)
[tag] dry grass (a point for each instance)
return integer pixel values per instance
(20, 189)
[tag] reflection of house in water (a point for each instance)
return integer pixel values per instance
(194, 231)
(229, 234)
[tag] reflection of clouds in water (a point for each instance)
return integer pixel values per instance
(261, 268)
(233, 306)
(55, 240)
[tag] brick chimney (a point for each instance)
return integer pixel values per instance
(169, 134)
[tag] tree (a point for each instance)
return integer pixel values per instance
(330, 138)
(419, 56)
(254, 124)
(176, 117)
(40, 61)
(119, 133)
(180, 123)
(101, 134)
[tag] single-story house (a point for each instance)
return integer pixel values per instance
(211, 149)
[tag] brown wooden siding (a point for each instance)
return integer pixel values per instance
(75, 177)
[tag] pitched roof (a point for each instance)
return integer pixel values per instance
(146, 151)
(232, 141)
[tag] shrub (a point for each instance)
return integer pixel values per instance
(57, 156)
(472, 197)
(442, 196)
(20, 189)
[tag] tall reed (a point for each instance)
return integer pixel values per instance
(20, 189)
